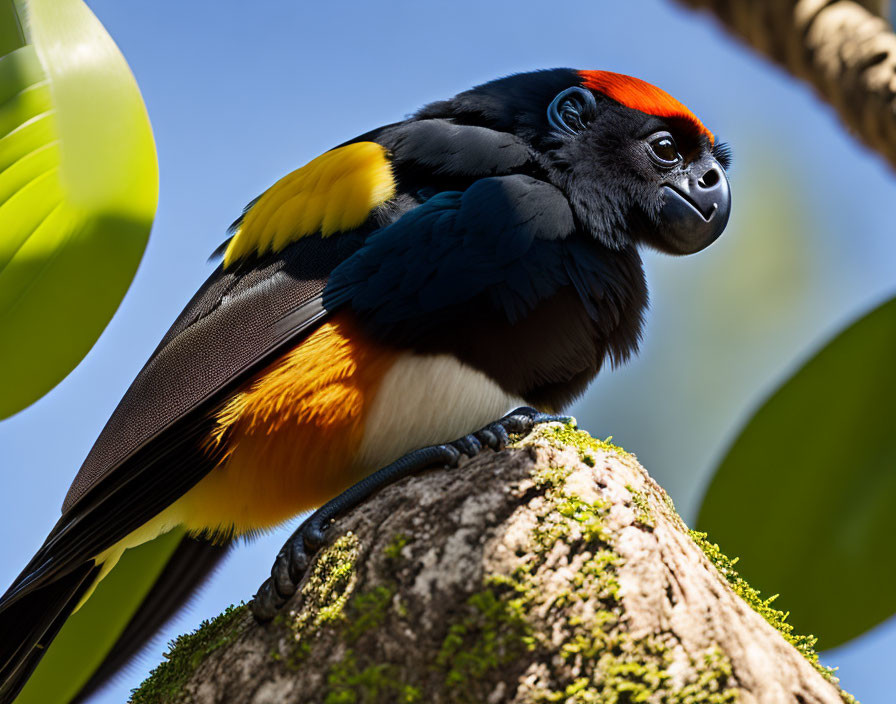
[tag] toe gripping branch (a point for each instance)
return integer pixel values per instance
(295, 556)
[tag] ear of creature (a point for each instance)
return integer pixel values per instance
(514, 103)
(571, 110)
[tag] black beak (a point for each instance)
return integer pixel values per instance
(695, 210)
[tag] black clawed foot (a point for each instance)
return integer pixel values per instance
(295, 556)
(288, 569)
(497, 435)
(529, 417)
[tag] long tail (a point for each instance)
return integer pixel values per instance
(190, 565)
(31, 623)
(145, 589)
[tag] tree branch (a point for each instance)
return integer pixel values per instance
(556, 571)
(840, 47)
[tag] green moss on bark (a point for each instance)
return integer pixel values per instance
(601, 662)
(185, 654)
(349, 683)
(775, 618)
(493, 632)
(563, 436)
(351, 614)
(568, 643)
(643, 514)
(324, 596)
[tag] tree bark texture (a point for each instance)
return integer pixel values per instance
(842, 48)
(555, 571)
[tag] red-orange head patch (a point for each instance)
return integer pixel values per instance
(641, 95)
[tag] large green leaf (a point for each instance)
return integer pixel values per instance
(807, 494)
(78, 190)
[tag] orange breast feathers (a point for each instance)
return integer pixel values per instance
(291, 434)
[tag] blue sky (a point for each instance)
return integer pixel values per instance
(241, 93)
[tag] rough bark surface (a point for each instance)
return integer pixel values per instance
(842, 48)
(555, 571)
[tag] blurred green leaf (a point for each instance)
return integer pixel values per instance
(807, 494)
(90, 633)
(78, 190)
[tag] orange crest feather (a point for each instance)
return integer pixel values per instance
(641, 95)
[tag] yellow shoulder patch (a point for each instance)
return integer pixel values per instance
(333, 193)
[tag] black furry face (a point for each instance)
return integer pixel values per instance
(616, 168)
(606, 173)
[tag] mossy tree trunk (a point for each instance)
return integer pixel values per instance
(555, 571)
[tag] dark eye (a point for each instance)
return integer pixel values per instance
(571, 110)
(663, 149)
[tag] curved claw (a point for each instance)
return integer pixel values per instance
(487, 438)
(468, 445)
(298, 560)
(280, 575)
(550, 418)
(266, 602)
(452, 455)
(527, 417)
(501, 435)
(313, 534)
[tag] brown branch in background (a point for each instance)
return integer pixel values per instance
(841, 47)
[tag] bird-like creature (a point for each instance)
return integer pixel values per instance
(381, 308)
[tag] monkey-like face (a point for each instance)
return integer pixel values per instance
(637, 166)
(634, 178)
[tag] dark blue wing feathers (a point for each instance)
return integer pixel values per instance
(509, 239)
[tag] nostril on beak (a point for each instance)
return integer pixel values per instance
(710, 178)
